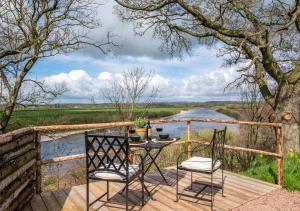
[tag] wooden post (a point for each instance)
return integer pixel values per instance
(38, 175)
(280, 158)
(131, 153)
(189, 131)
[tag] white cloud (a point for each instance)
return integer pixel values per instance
(201, 87)
(105, 75)
(197, 87)
(77, 82)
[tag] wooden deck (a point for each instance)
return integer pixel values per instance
(237, 191)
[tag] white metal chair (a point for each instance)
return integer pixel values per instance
(208, 164)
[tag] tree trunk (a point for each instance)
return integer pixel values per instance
(10, 105)
(291, 128)
(7, 112)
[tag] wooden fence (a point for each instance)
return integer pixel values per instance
(19, 153)
(20, 157)
(278, 126)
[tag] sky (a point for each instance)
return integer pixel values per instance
(197, 77)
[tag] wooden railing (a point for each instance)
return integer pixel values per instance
(20, 157)
(278, 126)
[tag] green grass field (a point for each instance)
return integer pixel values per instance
(83, 115)
(88, 113)
(265, 168)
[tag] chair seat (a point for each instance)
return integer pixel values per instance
(109, 175)
(200, 164)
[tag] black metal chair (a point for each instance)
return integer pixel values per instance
(107, 159)
(210, 160)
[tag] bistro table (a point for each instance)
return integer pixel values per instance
(153, 148)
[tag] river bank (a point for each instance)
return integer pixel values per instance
(59, 135)
(232, 110)
(82, 115)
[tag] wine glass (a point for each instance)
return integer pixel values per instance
(159, 129)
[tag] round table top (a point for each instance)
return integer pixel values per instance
(153, 143)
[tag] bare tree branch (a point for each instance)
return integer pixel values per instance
(132, 88)
(31, 30)
(264, 33)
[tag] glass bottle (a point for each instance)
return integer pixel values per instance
(149, 130)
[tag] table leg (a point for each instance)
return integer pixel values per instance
(153, 162)
(162, 175)
(131, 158)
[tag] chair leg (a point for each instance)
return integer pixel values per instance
(191, 180)
(212, 196)
(126, 196)
(87, 195)
(177, 184)
(222, 183)
(107, 190)
(143, 190)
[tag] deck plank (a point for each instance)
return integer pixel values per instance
(134, 196)
(81, 190)
(167, 194)
(64, 201)
(161, 201)
(75, 198)
(245, 191)
(27, 207)
(98, 188)
(257, 181)
(237, 191)
(185, 181)
(50, 201)
(231, 186)
(37, 203)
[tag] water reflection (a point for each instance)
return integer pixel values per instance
(176, 129)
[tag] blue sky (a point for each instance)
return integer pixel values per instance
(196, 77)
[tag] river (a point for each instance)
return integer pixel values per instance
(74, 144)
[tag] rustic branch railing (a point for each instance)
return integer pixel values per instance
(278, 126)
(54, 128)
(20, 156)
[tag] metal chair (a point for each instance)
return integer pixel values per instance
(211, 160)
(107, 159)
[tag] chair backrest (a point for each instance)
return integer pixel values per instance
(218, 142)
(107, 153)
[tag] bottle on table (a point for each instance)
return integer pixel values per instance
(149, 130)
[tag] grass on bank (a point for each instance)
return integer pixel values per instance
(265, 168)
(51, 116)
(229, 112)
